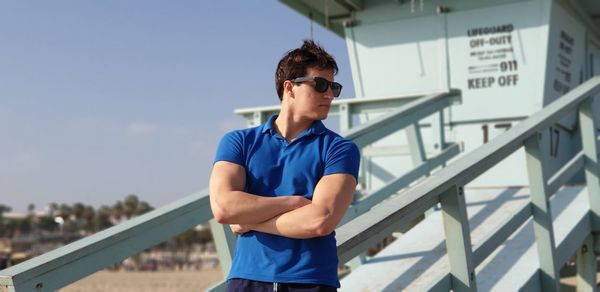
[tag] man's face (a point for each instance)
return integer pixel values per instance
(307, 101)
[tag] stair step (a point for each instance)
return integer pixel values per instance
(418, 258)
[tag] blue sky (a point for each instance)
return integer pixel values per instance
(100, 99)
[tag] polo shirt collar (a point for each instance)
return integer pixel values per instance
(317, 127)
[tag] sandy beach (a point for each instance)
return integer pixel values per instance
(120, 281)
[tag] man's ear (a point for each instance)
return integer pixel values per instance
(287, 88)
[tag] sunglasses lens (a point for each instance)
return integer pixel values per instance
(336, 89)
(321, 84)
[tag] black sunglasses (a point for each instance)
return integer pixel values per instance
(321, 84)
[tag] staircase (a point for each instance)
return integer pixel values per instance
(486, 240)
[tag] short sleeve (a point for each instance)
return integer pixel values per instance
(231, 148)
(342, 157)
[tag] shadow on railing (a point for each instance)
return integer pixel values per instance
(446, 187)
(74, 261)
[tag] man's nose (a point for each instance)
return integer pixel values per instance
(328, 93)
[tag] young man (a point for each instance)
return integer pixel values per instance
(285, 185)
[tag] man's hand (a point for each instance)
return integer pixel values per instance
(239, 229)
(299, 201)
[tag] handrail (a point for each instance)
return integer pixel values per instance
(97, 251)
(363, 135)
(344, 108)
(76, 260)
(360, 104)
(360, 207)
(352, 238)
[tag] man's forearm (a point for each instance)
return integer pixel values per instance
(230, 205)
(305, 222)
(236, 207)
(330, 201)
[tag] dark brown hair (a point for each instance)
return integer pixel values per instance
(295, 62)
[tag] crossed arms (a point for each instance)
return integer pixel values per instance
(289, 216)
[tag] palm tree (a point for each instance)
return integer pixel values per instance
(88, 216)
(46, 223)
(29, 226)
(135, 207)
(102, 218)
(53, 209)
(117, 211)
(4, 209)
(143, 207)
(3, 229)
(131, 205)
(65, 211)
(78, 210)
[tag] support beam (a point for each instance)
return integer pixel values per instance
(415, 143)
(540, 209)
(458, 239)
(590, 151)
(225, 242)
(345, 117)
(586, 266)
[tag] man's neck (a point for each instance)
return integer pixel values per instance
(290, 127)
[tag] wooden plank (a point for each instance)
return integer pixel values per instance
(592, 167)
(542, 216)
(565, 173)
(387, 124)
(439, 133)
(572, 241)
(586, 266)
(355, 4)
(363, 236)
(316, 15)
(500, 234)
(358, 105)
(458, 239)
(225, 241)
(415, 143)
(345, 117)
(442, 284)
(533, 284)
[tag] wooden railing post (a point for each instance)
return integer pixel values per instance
(345, 117)
(586, 257)
(258, 118)
(437, 131)
(586, 266)
(542, 217)
(345, 114)
(224, 240)
(415, 143)
(590, 151)
(458, 239)
(417, 150)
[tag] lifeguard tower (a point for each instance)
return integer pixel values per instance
(475, 119)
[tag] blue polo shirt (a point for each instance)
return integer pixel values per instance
(276, 167)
